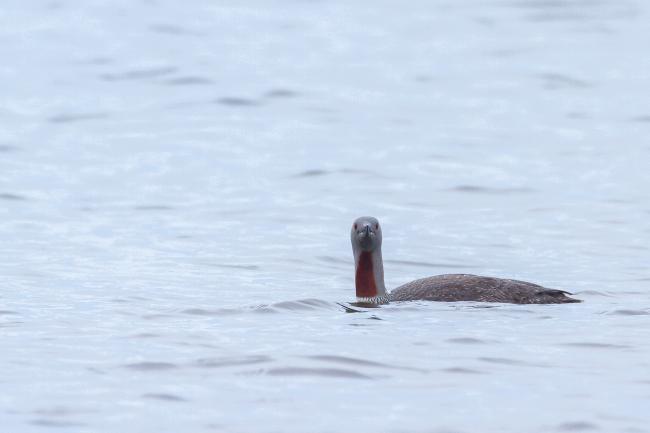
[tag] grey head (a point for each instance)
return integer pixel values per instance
(365, 234)
(368, 264)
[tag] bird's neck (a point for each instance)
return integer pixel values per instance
(369, 277)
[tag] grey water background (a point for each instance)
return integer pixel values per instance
(178, 180)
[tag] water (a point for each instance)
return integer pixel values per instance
(178, 180)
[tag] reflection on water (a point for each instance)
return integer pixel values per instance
(178, 180)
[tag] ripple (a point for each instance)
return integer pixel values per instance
(171, 29)
(595, 345)
(554, 81)
(625, 312)
(138, 74)
(212, 312)
(559, 11)
(281, 93)
(151, 366)
(7, 148)
(300, 305)
(120, 301)
(232, 361)
(476, 189)
(577, 115)
(55, 423)
(10, 196)
(59, 411)
(466, 340)
(156, 316)
(243, 267)
(10, 324)
(577, 426)
(153, 207)
(145, 335)
(318, 372)
(508, 361)
(312, 173)
(164, 397)
(233, 101)
(7, 312)
(348, 309)
(338, 359)
(320, 172)
(189, 81)
(77, 117)
(461, 370)
(346, 360)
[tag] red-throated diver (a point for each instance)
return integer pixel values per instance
(369, 279)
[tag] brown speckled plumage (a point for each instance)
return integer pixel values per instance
(466, 287)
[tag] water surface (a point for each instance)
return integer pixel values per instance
(177, 184)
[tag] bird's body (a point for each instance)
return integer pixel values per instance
(466, 287)
(369, 279)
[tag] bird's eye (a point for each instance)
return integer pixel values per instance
(354, 226)
(376, 226)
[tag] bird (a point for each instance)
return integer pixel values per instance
(366, 237)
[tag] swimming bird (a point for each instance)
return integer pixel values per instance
(369, 279)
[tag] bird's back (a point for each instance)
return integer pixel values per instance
(466, 287)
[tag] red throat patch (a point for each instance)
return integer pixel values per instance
(365, 277)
